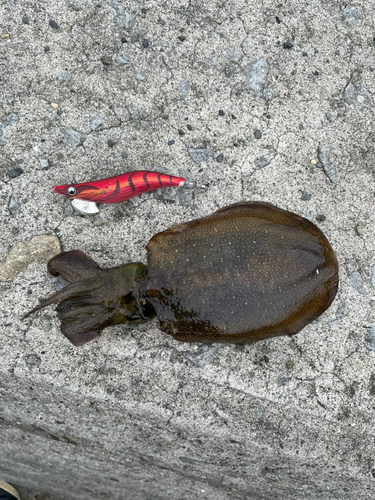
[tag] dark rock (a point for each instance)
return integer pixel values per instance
(25, 20)
(123, 40)
(145, 43)
(182, 38)
(221, 112)
(46, 49)
(111, 143)
(74, 7)
(219, 158)
(304, 54)
(257, 134)
(15, 172)
(288, 45)
(53, 24)
(170, 143)
(181, 132)
(106, 60)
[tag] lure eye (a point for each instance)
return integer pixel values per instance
(71, 191)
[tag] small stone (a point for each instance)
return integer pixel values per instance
(15, 172)
(54, 105)
(15, 230)
(256, 75)
(20, 161)
(304, 54)
(305, 196)
(359, 230)
(181, 132)
(227, 71)
(289, 365)
(121, 18)
(328, 166)
(200, 155)
(321, 218)
(189, 127)
(370, 339)
(96, 121)
(134, 38)
(357, 95)
(132, 111)
(43, 164)
(268, 94)
(140, 77)
(4, 35)
(257, 134)
(72, 137)
(233, 55)
(356, 282)
(341, 312)
(182, 38)
(14, 206)
(111, 143)
(314, 162)
(170, 143)
(144, 10)
(98, 222)
(124, 154)
(145, 43)
(329, 117)
(221, 112)
(161, 22)
(25, 20)
(46, 49)
(74, 7)
(106, 60)
(121, 59)
(219, 158)
(123, 40)
(261, 162)
(234, 117)
(62, 77)
(288, 45)
(184, 87)
(53, 24)
(352, 14)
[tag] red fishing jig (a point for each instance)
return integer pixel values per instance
(118, 188)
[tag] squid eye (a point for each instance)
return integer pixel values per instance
(71, 191)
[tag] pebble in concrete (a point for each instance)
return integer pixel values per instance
(121, 18)
(356, 282)
(328, 166)
(357, 95)
(200, 155)
(96, 121)
(352, 14)
(40, 249)
(14, 206)
(261, 162)
(121, 59)
(184, 87)
(256, 75)
(72, 137)
(62, 77)
(233, 55)
(9, 120)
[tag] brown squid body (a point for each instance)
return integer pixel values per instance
(248, 272)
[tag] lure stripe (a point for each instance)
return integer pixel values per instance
(121, 187)
(131, 182)
(145, 179)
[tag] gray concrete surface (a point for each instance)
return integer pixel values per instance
(136, 415)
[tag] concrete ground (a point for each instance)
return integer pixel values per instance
(260, 100)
